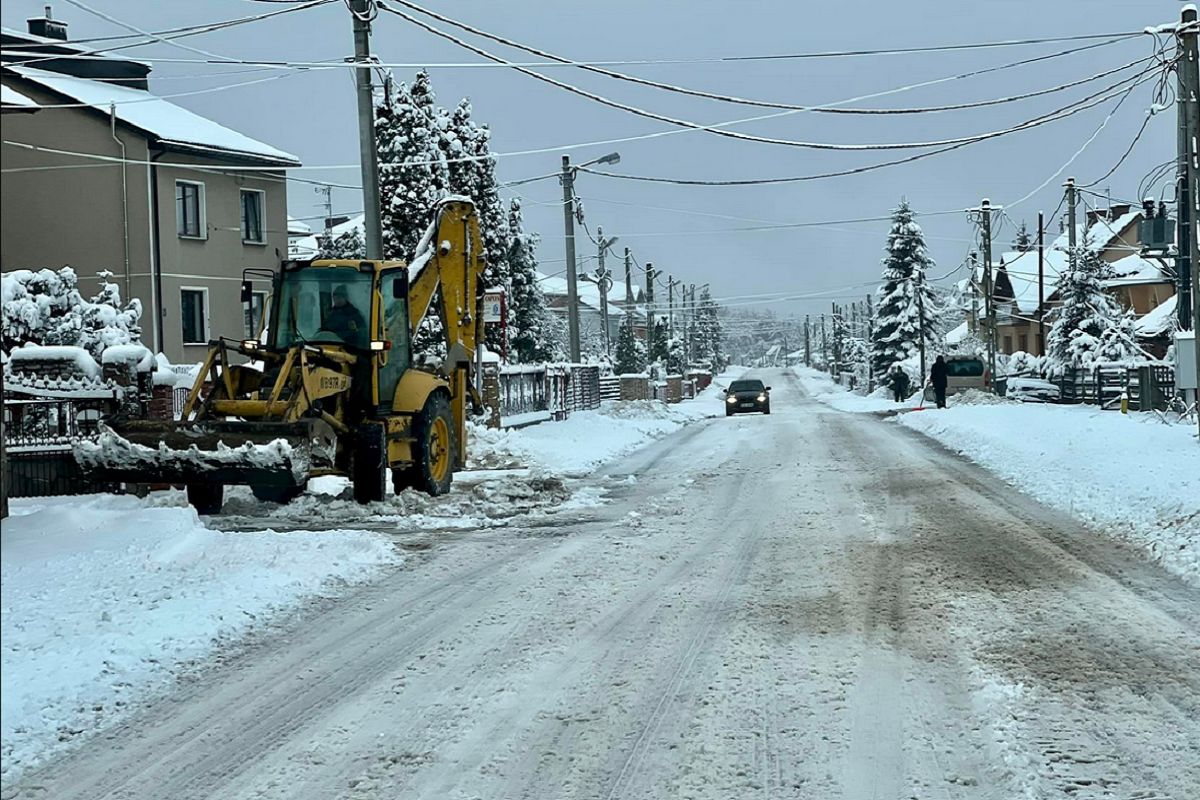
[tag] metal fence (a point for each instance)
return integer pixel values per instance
(1148, 387)
(547, 391)
(39, 439)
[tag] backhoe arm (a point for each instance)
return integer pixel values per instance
(450, 258)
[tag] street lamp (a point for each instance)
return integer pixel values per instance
(568, 183)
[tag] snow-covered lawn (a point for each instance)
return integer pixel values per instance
(107, 599)
(1129, 476)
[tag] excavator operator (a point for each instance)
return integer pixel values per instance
(345, 320)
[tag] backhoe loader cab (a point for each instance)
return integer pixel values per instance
(330, 389)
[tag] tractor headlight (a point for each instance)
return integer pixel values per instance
(249, 344)
(379, 345)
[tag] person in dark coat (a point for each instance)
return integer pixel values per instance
(938, 378)
(899, 382)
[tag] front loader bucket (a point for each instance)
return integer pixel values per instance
(277, 454)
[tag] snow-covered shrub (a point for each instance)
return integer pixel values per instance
(45, 307)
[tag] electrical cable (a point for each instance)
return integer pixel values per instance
(832, 146)
(768, 104)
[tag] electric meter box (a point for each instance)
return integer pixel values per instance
(1185, 360)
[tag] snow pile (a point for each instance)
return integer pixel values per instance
(113, 451)
(1127, 475)
(31, 356)
(494, 448)
(136, 354)
(822, 389)
(106, 601)
(975, 397)
(587, 439)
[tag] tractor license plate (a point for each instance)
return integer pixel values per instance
(747, 405)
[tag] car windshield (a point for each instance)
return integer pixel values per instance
(746, 386)
(324, 304)
(964, 368)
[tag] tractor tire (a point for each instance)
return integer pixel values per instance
(366, 468)
(206, 498)
(277, 494)
(434, 449)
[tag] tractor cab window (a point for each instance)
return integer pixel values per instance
(324, 305)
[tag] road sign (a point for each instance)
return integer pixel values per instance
(493, 305)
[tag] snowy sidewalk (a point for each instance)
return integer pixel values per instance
(106, 601)
(1128, 476)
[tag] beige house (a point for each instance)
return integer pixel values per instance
(1139, 283)
(108, 176)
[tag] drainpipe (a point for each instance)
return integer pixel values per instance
(112, 118)
(155, 251)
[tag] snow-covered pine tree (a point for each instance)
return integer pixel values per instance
(493, 225)
(1085, 314)
(631, 350)
(532, 326)
(659, 347)
(675, 361)
(348, 244)
(1119, 342)
(906, 303)
(413, 174)
(104, 321)
(40, 306)
(708, 345)
(1024, 242)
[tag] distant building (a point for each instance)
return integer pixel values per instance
(1139, 283)
(114, 177)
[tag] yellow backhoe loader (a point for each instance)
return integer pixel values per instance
(330, 389)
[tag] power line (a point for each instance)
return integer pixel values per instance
(769, 104)
(1052, 116)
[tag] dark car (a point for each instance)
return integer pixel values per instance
(747, 395)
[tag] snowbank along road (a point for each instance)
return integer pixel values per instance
(806, 605)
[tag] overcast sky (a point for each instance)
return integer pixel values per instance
(312, 114)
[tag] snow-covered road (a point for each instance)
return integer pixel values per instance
(804, 605)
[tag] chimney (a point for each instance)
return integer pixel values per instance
(1092, 216)
(1118, 210)
(47, 27)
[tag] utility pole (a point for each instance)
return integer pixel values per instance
(870, 339)
(807, 343)
(650, 310)
(1041, 345)
(328, 203)
(921, 321)
(1189, 187)
(567, 178)
(671, 307)
(1186, 109)
(989, 304)
(603, 284)
(973, 322)
(369, 160)
(628, 280)
(1072, 228)
(824, 345)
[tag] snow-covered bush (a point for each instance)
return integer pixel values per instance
(1022, 363)
(45, 307)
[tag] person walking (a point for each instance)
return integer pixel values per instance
(938, 378)
(899, 382)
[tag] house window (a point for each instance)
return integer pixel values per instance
(253, 313)
(189, 209)
(193, 311)
(253, 201)
(1008, 345)
(1023, 339)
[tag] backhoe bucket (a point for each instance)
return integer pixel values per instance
(277, 454)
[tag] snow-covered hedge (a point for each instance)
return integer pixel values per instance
(45, 307)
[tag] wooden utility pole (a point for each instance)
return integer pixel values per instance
(807, 343)
(651, 313)
(368, 158)
(1041, 343)
(989, 304)
(1189, 189)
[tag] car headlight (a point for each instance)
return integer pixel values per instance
(762, 398)
(731, 399)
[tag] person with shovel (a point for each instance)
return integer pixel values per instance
(898, 379)
(938, 377)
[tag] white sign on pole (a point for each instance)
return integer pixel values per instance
(493, 306)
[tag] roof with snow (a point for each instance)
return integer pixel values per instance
(172, 126)
(1160, 320)
(11, 98)
(589, 293)
(1022, 269)
(297, 227)
(957, 334)
(1134, 270)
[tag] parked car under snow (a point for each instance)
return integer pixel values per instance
(1032, 390)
